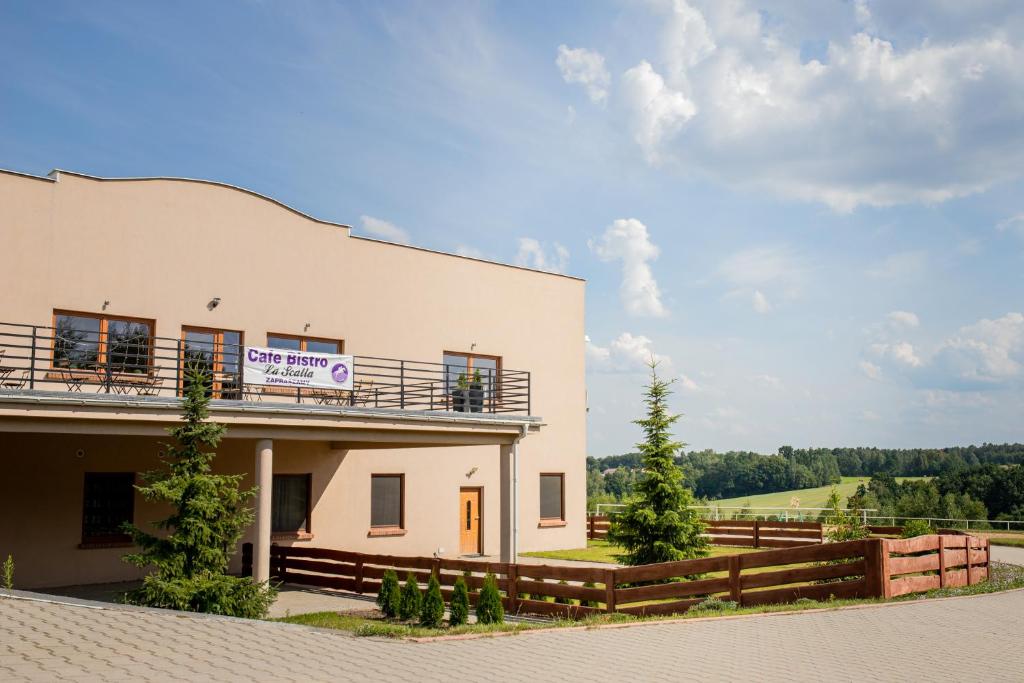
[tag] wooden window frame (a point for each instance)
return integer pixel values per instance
(552, 521)
(495, 396)
(304, 534)
(218, 361)
(389, 530)
(111, 540)
(101, 343)
(305, 339)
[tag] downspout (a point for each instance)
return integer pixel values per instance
(515, 492)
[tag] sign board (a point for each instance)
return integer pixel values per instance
(284, 368)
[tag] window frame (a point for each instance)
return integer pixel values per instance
(306, 532)
(106, 540)
(218, 356)
(389, 529)
(102, 341)
(305, 339)
(551, 521)
(493, 397)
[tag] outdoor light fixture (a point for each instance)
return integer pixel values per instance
(214, 303)
(306, 328)
(105, 304)
(471, 472)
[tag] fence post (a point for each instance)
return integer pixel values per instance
(967, 547)
(942, 561)
(757, 533)
(735, 589)
(609, 590)
(247, 559)
(359, 576)
(592, 529)
(876, 568)
(512, 574)
(988, 558)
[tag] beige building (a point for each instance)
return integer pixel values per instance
(462, 432)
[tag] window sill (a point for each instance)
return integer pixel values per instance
(386, 531)
(96, 545)
(550, 523)
(291, 536)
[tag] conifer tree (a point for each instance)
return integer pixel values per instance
(409, 603)
(657, 524)
(432, 610)
(459, 607)
(191, 554)
(388, 597)
(489, 609)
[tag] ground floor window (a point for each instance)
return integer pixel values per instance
(109, 503)
(290, 504)
(552, 497)
(387, 501)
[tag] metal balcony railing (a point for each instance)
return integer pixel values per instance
(130, 361)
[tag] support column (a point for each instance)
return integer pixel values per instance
(265, 481)
(509, 466)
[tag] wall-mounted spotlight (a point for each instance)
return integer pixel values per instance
(306, 328)
(214, 303)
(105, 304)
(471, 472)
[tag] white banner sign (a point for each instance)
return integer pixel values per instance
(280, 367)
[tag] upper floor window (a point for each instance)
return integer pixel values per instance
(216, 355)
(86, 341)
(108, 503)
(293, 342)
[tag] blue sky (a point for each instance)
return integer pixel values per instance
(811, 212)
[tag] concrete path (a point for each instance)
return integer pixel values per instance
(976, 638)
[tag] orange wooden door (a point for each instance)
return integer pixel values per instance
(469, 521)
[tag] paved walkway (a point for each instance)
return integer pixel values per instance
(974, 638)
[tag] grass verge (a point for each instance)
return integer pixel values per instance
(1011, 542)
(602, 551)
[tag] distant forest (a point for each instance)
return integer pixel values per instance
(714, 475)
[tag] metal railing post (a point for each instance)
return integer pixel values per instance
(529, 395)
(401, 384)
(32, 362)
(178, 366)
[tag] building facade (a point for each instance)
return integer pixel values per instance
(463, 433)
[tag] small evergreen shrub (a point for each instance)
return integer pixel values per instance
(560, 600)
(409, 603)
(488, 608)
(712, 604)
(9, 573)
(389, 595)
(590, 603)
(459, 608)
(432, 609)
(916, 527)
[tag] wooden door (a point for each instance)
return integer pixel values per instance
(469, 521)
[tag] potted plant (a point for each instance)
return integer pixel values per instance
(476, 393)
(460, 394)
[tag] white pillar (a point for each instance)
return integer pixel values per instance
(265, 481)
(509, 466)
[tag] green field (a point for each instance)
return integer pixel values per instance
(809, 498)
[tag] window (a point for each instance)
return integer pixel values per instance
(216, 354)
(86, 341)
(108, 503)
(387, 500)
(290, 506)
(471, 380)
(552, 490)
(291, 342)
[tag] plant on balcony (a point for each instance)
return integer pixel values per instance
(489, 609)
(460, 394)
(476, 393)
(658, 524)
(389, 595)
(432, 609)
(409, 602)
(458, 610)
(190, 556)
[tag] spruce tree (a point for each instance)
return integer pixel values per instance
(409, 602)
(489, 609)
(191, 554)
(657, 524)
(388, 597)
(432, 610)
(459, 608)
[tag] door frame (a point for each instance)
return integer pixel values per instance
(480, 527)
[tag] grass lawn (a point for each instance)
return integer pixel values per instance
(1002, 540)
(809, 498)
(602, 551)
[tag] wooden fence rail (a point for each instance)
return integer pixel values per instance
(872, 567)
(736, 532)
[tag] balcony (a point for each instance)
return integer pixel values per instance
(130, 366)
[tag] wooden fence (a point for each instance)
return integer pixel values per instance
(873, 567)
(742, 533)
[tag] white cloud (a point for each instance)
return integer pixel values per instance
(760, 302)
(626, 240)
(870, 370)
(770, 381)
(688, 384)
(1012, 224)
(987, 352)
(728, 93)
(906, 265)
(900, 352)
(586, 67)
(384, 230)
(466, 250)
(626, 353)
(533, 254)
(903, 319)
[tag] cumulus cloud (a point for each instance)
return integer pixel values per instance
(1012, 224)
(466, 250)
(728, 92)
(688, 384)
(626, 353)
(586, 67)
(900, 352)
(384, 230)
(626, 240)
(985, 353)
(903, 319)
(533, 254)
(870, 370)
(762, 275)
(760, 302)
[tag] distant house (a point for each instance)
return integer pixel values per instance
(385, 398)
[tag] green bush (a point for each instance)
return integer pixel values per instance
(590, 603)
(916, 527)
(488, 608)
(712, 604)
(9, 572)
(389, 596)
(432, 609)
(459, 608)
(409, 603)
(560, 600)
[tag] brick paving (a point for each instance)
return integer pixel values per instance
(969, 638)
